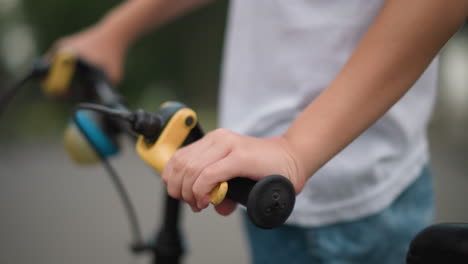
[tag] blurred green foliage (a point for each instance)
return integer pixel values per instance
(177, 62)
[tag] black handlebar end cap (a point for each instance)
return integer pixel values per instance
(271, 201)
(440, 243)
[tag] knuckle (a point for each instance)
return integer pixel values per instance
(173, 193)
(226, 137)
(190, 170)
(199, 188)
(207, 173)
(166, 173)
(173, 189)
(221, 133)
(187, 195)
(197, 192)
(177, 163)
(164, 179)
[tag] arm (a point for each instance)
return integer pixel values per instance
(405, 37)
(401, 43)
(106, 43)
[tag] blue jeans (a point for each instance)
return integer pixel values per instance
(382, 238)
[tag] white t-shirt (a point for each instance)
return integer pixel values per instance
(279, 55)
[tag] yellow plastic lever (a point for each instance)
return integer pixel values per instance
(60, 75)
(173, 136)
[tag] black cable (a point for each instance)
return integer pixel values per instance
(8, 96)
(116, 180)
(38, 69)
(115, 113)
(141, 122)
(128, 205)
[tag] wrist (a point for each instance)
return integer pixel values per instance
(305, 152)
(298, 169)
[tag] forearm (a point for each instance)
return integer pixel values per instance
(133, 18)
(401, 43)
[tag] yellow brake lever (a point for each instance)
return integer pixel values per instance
(61, 73)
(175, 132)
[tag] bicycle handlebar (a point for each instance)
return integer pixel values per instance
(269, 202)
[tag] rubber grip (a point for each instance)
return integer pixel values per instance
(269, 202)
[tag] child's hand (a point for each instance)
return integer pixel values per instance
(95, 46)
(221, 155)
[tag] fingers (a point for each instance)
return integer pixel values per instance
(211, 176)
(174, 182)
(186, 166)
(194, 167)
(94, 47)
(197, 169)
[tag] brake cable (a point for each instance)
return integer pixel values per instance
(120, 188)
(39, 68)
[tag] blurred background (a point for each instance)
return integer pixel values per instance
(53, 211)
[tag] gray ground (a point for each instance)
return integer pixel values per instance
(54, 212)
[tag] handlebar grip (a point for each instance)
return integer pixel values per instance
(269, 202)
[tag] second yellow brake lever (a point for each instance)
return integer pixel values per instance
(60, 76)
